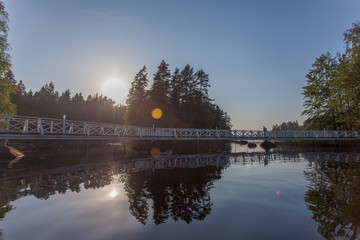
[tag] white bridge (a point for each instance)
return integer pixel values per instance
(36, 128)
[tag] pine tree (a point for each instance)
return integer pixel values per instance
(202, 83)
(159, 94)
(175, 90)
(187, 84)
(138, 112)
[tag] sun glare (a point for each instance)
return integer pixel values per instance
(113, 193)
(115, 89)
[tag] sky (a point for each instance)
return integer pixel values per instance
(256, 52)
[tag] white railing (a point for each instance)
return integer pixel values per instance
(21, 127)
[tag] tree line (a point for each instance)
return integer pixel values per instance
(49, 103)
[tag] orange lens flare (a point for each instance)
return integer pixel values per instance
(155, 152)
(156, 113)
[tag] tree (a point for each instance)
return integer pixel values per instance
(319, 93)
(138, 113)
(6, 75)
(202, 84)
(187, 84)
(159, 93)
(332, 93)
(175, 90)
(349, 78)
(46, 99)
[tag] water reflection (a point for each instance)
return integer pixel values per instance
(176, 193)
(179, 187)
(334, 198)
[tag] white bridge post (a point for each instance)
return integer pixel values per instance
(64, 122)
(40, 127)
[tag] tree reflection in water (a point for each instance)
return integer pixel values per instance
(179, 186)
(177, 193)
(334, 198)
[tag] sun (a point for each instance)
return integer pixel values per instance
(116, 89)
(113, 193)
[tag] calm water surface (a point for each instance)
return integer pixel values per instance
(252, 195)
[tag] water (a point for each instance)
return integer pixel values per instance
(251, 195)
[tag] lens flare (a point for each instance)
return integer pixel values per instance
(155, 152)
(156, 113)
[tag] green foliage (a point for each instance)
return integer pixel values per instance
(332, 93)
(320, 93)
(182, 96)
(6, 76)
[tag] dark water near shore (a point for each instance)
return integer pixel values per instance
(247, 195)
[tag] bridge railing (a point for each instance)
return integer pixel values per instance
(321, 134)
(13, 124)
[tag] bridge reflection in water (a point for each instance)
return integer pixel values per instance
(179, 186)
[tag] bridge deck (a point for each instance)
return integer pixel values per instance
(33, 128)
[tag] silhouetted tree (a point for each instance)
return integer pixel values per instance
(138, 112)
(159, 93)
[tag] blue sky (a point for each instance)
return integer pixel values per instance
(257, 53)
